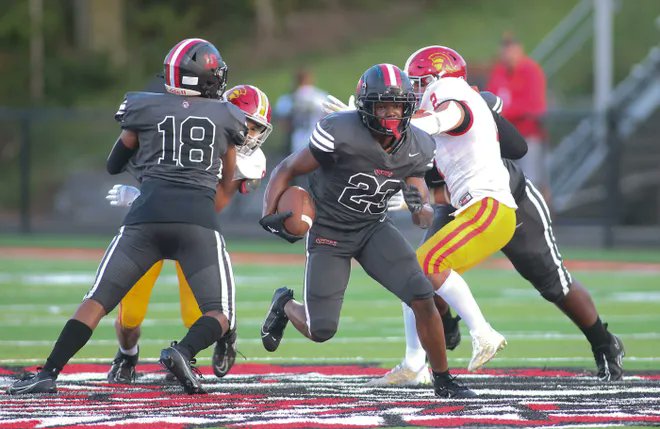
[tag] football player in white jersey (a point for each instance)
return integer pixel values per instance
(533, 249)
(250, 169)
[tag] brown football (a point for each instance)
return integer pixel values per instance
(296, 200)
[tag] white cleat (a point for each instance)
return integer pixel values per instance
(485, 345)
(401, 375)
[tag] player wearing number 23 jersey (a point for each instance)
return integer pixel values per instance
(358, 160)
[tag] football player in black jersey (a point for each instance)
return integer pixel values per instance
(358, 160)
(178, 143)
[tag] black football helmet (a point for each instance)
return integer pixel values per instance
(194, 67)
(385, 83)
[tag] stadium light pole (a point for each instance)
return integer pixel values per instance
(602, 69)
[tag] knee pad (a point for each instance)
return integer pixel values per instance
(323, 331)
(418, 286)
(551, 291)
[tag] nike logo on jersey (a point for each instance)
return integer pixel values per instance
(413, 154)
(519, 225)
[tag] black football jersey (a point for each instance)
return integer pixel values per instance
(357, 177)
(178, 161)
(516, 179)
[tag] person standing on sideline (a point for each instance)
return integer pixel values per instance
(300, 110)
(520, 82)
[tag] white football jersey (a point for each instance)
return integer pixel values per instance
(250, 167)
(470, 161)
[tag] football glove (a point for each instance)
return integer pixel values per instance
(413, 198)
(274, 223)
(122, 195)
(396, 202)
(333, 104)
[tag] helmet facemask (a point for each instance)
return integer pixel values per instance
(387, 126)
(252, 143)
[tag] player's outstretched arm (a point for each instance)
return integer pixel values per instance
(332, 104)
(447, 116)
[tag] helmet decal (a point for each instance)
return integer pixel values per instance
(391, 74)
(174, 58)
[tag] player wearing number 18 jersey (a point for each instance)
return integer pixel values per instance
(179, 142)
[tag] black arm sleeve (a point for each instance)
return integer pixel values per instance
(512, 144)
(118, 157)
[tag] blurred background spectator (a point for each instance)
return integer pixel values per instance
(520, 82)
(299, 111)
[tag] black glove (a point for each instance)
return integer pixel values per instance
(413, 198)
(274, 223)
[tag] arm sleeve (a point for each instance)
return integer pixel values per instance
(322, 142)
(119, 157)
(512, 144)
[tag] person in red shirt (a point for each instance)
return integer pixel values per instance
(520, 82)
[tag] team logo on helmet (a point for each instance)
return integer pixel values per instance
(237, 92)
(210, 61)
(443, 62)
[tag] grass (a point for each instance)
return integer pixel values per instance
(38, 296)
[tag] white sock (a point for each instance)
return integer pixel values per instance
(415, 354)
(129, 352)
(459, 297)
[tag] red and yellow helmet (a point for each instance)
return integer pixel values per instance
(429, 64)
(256, 106)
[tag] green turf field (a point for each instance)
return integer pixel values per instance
(38, 296)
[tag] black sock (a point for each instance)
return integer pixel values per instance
(597, 334)
(73, 337)
(443, 375)
(447, 317)
(204, 332)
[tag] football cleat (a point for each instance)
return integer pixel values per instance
(485, 345)
(122, 370)
(446, 386)
(175, 362)
(452, 333)
(272, 329)
(41, 382)
(224, 354)
(401, 375)
(609, 359)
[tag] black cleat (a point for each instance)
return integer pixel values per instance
(446, 386)
(123, 369)
(272, 329)
(41, 382)
(609, 359)
(224, 354)
(452, 333)
(175, 362)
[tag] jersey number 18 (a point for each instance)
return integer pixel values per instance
(192, 146)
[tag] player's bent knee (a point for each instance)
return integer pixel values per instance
(323, 331)
(552, 292)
